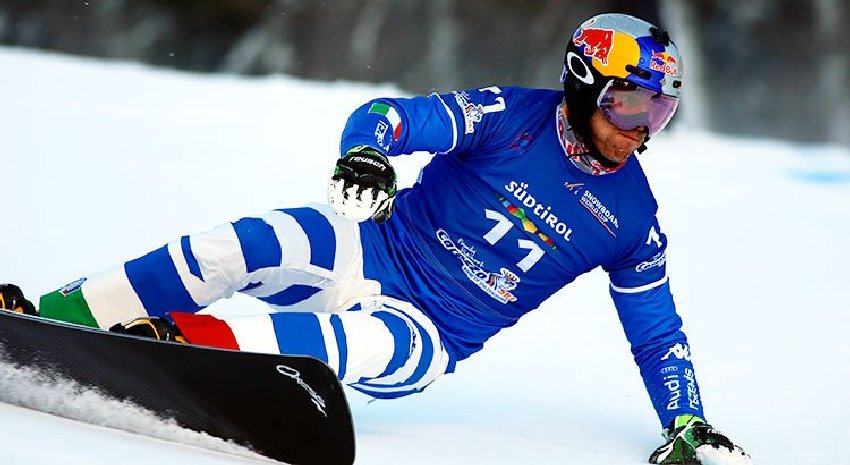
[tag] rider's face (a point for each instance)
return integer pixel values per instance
(615, 144)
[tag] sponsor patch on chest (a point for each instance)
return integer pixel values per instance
(521, 203)
(595, 207)
(496, 285)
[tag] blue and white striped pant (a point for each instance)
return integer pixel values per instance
(307, 264)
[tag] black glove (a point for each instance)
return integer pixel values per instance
(363, 185)
(12, 298)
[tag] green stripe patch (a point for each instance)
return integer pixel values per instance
(70, 307)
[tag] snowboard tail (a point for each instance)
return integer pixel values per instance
(289, 408)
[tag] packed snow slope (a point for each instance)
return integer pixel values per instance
(104, 161)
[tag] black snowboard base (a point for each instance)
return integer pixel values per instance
(289, 408)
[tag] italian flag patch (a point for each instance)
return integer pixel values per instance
(391, 114)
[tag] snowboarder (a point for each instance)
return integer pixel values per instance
(527, 190)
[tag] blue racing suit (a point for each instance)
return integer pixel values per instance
(501, 219)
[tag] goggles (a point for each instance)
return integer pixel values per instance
(629, 106)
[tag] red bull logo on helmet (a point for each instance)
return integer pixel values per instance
(664, 62)
(597, 42)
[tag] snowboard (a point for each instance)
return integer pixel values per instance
(288, 408)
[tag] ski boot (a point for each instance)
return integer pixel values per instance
(154, 327)
(12, 299)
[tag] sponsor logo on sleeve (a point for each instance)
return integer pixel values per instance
(392, 116)
(678, 383)
(654, 237)
(680, 351)
(381, 134)
(673, 383)
(658, 260)
(472, 113)
(72, 287)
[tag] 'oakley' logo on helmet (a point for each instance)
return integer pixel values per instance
(597, 43)
(580, 70)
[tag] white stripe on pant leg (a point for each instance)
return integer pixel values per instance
(254, 333)
(292, 239)
(203, 293)
(349, 249)
(219, 256)
(111, 297)
(369, 345)
(330, 341)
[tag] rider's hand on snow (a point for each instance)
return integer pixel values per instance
(690, 440)
(363, 185)
(12, 298)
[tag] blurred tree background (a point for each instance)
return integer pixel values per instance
(770, 68)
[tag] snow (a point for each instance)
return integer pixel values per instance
(104, 161)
